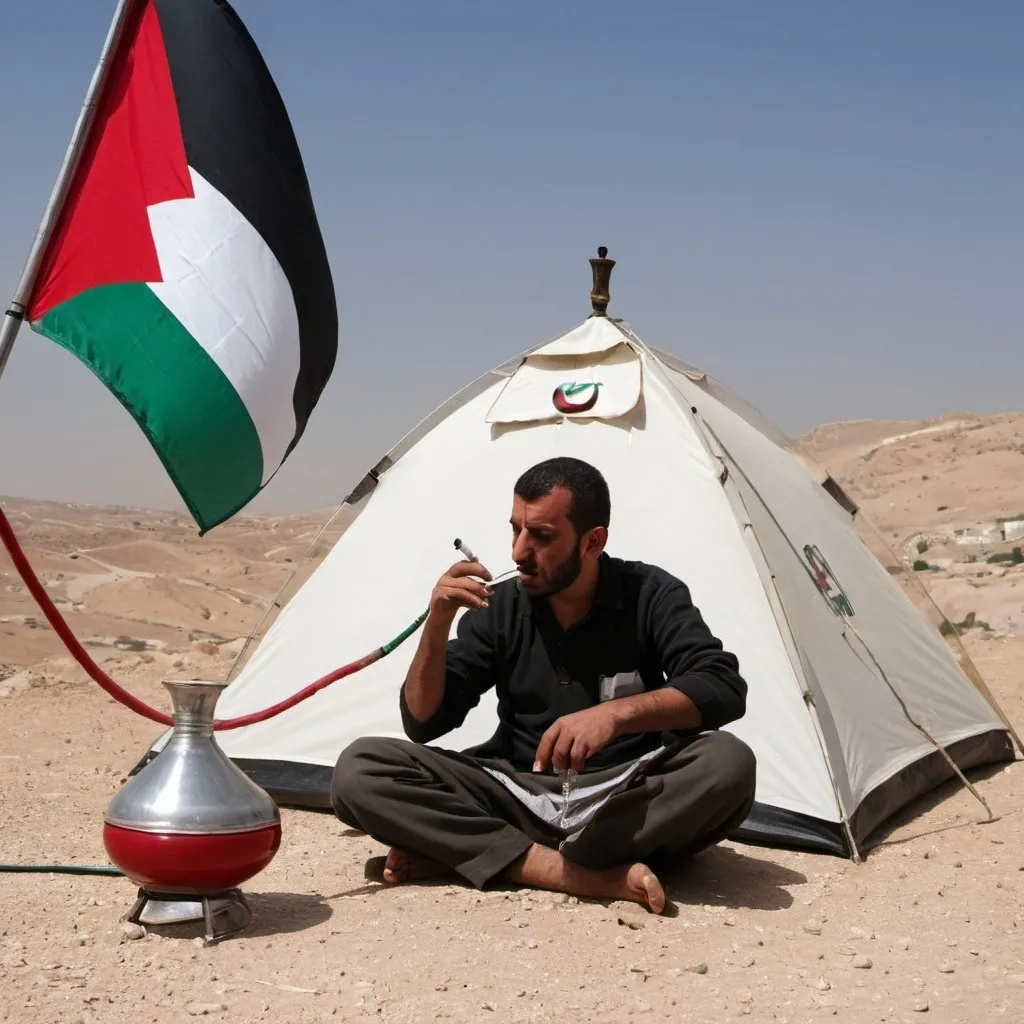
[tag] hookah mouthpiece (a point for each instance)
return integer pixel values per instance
(459, 546)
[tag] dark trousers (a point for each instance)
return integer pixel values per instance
(445, 806)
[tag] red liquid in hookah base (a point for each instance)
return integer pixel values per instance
(177, 863)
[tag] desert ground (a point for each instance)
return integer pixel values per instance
(930, 927)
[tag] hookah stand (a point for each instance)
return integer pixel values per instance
(216, 910)
(191, 826)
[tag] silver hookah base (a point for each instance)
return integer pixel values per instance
(223, 913)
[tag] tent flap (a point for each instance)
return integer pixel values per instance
(603, 386)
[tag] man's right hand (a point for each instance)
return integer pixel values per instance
(457, 589)
(425, 682)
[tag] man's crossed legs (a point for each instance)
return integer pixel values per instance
(441, 812)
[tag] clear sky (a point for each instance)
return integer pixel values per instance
(819, 203)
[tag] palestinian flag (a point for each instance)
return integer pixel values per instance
(187, 268)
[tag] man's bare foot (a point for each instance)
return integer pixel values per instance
(544, 868)
(402, 866)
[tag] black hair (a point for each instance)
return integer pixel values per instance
(591, 503)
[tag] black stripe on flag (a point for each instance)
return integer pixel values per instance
(239, 137)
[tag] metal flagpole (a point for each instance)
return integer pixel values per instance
(16, 311)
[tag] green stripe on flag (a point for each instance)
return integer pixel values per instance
(193, 417)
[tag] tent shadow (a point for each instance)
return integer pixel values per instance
(724, 877)
(276, 913)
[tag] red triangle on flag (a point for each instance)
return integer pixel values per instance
(134, 158)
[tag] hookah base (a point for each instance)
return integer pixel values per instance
(223, 913)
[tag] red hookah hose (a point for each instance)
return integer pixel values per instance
(82, 656)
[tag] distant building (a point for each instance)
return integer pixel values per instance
(983, 533)
(1012, 529)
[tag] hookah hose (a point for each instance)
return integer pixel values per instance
(82, 656)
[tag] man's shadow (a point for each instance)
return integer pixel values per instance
(724, 877)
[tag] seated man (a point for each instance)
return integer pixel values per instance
(610, 691)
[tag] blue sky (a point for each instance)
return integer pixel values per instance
(820, 203)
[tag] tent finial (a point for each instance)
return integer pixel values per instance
(602, 270)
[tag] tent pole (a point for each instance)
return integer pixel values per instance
(15, 312)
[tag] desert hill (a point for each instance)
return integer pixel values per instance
(143, 581)
(940, 493)
(956, 470)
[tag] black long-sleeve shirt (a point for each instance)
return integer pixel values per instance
(641, 633)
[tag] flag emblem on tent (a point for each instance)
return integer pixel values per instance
(563, 396)
(187, 268)
(825, 581)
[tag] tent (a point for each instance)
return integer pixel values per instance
(851, 690)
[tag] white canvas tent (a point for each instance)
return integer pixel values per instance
(849, 684)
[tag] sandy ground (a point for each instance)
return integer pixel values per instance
(929, 928)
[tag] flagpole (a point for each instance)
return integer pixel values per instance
(15, 313)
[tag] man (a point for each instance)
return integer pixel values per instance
(611, 690)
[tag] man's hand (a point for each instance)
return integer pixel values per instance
(455, 590)
(573, 738)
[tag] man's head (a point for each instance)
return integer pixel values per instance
(560, 514)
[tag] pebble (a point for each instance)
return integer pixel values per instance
(729, 920)
(131, 930)
(531, 943)
(903, 943)
(674, 972)
(862, 963)
(822, 985)
(632, 921)
(488, 1006)
(860, 933)
(945, 968)
(202, 1009)
(920, 1005)
(700, 967)
(813, 926)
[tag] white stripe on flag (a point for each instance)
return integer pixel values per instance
(226, 287)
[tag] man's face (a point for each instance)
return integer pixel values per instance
(545, 547)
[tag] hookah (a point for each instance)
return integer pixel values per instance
(190, 827)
